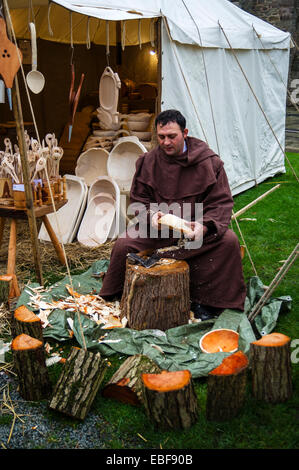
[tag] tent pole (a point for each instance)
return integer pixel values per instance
(159, 74)
(18, 115)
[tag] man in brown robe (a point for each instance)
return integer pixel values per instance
(181, 172)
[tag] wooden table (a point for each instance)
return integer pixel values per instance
(14, 214)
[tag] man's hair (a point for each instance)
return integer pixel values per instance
(171, 115)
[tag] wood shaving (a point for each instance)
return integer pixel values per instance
(91, 305)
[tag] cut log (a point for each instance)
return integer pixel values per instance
(27, 322)
(156, 297)
(29, 362)
(126, 383)
(170, 400)
(271, 368)
(78, 384)
(226, 388)
(5, 282)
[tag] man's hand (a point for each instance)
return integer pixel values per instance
(155, 219)
(197, 230)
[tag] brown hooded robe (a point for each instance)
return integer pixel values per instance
(196, 176)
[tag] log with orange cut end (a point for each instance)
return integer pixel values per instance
(226, 388)
(126, 383)
(231, 365)
(30, 365)
(272, 340)
(173, 392)
(25, 321)
(271, 368)
(167, 381)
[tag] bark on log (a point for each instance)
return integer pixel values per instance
(156, 297)
(25, 321)
(226, 388)
(29, 361)
(271, 368)
(170, 400)
(78, 383)
(5, 282)
(126, 384)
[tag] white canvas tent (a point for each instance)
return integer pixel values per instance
(225, 69)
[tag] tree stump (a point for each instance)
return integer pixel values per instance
(29, 361)
(25, 321)
(78, 383)
(170, 400)
(271, 368)
(126, 384)
(156, 297)
(227, 387)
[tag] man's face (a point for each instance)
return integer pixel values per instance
(171, 138)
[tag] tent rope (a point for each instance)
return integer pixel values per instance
(152, 32)
(107, 42)
(31, 16)
(206, 75)
(88, 33)
(71, 29)
(48, 181)
(183, 75)
(295, 44)
(274, 66)
(258, 102)
(277, 279)
(49, 23)
(123, 35)
(215, 129)
(139, 34)
(244, 243)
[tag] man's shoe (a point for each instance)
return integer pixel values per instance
(204, 312)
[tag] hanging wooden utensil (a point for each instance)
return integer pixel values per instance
(9, 59)
(74, 99)
(35, 79)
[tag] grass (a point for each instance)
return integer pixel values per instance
(270, 239)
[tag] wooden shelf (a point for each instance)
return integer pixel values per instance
(12, 212)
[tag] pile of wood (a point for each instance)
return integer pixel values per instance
(168, 397)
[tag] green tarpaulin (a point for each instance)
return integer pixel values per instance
(175, 349)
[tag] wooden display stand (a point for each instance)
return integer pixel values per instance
(271, 368)
(14, 214)
(156, 297)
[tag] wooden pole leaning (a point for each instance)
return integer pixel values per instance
(18, 115)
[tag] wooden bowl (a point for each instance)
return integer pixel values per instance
(221, 340)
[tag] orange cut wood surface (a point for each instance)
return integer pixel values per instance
(167, 381)
(123, 382)
(24, 342)
(273, 339)
(222, 340)
(6, 277)
(231, 365)
(22, 313)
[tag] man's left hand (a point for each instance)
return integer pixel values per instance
(197, 231)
